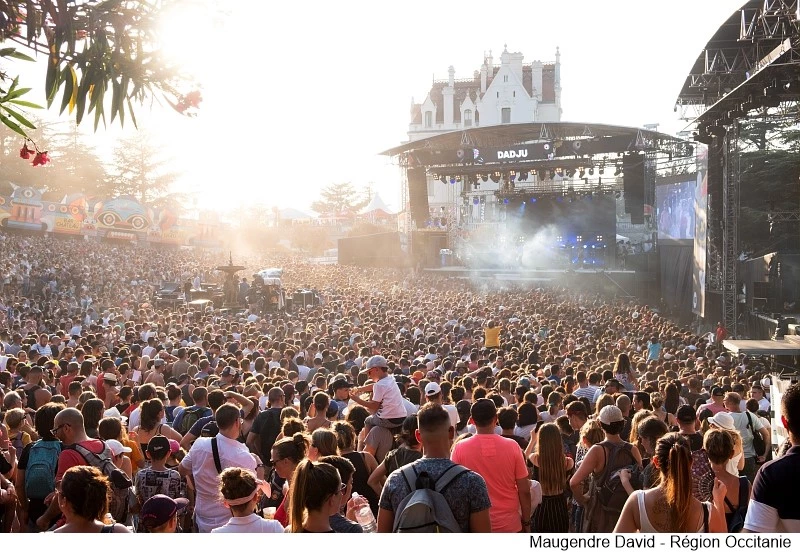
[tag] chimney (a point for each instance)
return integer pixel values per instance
(483, 78)
(451, 76)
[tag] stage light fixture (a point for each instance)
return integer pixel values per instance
(591, 170)
(452, 181)
(505, 201)
(541, 173)
(601, 170)
(476, 201)
(443, 179)
(552, 174)
(581, 172)
(618, 170)
(533, 199)
(571, 173)
(436, 176)
(523, 176)
(484, 179)
(513, 172)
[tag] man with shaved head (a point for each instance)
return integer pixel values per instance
(68, 428)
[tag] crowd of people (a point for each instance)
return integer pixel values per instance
(400, 403)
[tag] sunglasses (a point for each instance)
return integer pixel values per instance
(54, 431)
(274, 462)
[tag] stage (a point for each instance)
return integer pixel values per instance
(611, 282)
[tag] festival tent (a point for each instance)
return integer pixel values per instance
(377, 208)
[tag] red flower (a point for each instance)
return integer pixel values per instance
(25, 152)
(193, 99)
(41, 159)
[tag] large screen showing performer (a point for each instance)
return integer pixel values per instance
(675, 214)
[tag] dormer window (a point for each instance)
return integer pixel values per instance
(505, 79)
(428, 119)
(467, 117)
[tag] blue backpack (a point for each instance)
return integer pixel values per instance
(40, 475)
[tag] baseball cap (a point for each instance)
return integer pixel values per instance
(111, 377)
(717, 391)
(610, 414)
(158, 447)
(159, 509)
(117, 447)
(341, 383)
(432, 389)
(377, 361)
(686, 414)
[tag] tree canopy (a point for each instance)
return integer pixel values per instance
(103, 58)
(339, 199)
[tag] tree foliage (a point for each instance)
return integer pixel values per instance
(770, 169)
(103, 57)
(339, 199)
(141, 171)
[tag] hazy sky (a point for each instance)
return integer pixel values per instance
(298, 95)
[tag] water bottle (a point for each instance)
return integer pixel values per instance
(364, 514)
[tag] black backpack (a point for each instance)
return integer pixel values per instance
(759, 444)
(606, 494)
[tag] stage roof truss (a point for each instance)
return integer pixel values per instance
(761, 35)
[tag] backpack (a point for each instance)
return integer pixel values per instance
(120, 482)
(606, 494)
(425, 509)
(759, 445)
(190, 417)
(40, 475)
(736, 519)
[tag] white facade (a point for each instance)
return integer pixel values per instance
(510, 93)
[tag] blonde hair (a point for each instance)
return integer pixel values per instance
(592, 433)
(14, 417)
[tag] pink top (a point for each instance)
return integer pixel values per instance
(500, 462)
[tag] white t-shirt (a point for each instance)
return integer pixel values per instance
(252, 523)
(302, 372)
(388, 394)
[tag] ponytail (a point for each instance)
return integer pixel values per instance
(675, 463)
(312, 484)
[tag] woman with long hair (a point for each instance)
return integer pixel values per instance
(625, 373)
(550, 467)
(364, 462)
(719, 445)
(83, 498)
(315, 495)
(670, 507)
(152, 415)
(672, 398)
(286, 454)
(409, 451)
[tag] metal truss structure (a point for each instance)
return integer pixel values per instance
(752, 62)
(731, 179)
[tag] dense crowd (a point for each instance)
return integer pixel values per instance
(401, 402)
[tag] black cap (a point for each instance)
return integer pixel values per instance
(717, 391)
(686, 414)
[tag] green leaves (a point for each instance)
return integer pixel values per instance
(102, 56)
(11, 117)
